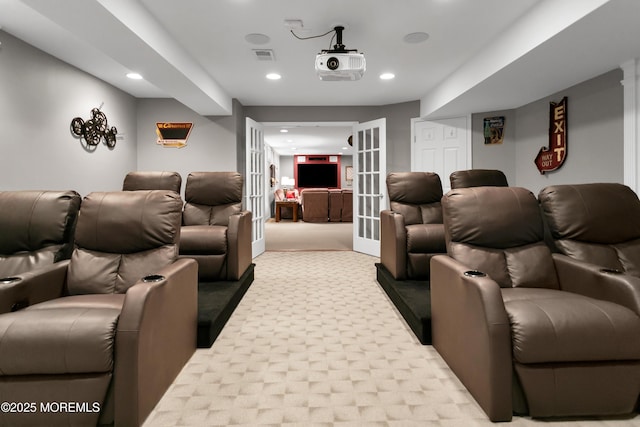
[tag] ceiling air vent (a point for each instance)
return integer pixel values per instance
(264, 54)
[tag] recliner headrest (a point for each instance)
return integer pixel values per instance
(214, 188)
(606, 213)
(31, 220)
(478, 178)
(129, 221)
(494, 217)
(152, 180)
(415, 188)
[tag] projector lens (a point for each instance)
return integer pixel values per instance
(333, 63)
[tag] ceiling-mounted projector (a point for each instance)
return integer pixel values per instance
(339, 63)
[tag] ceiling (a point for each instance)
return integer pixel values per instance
(478, 57)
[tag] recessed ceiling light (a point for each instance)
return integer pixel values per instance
(274, 76)
(284, 130)
(134, 76)
(293, 148)
(418, 37)
(387, 76)
(344, 148)
(257, 38)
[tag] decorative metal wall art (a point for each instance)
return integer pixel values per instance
(94, 129)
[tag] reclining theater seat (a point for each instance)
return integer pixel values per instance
(347, 206)
(502, 303)
(412, 231)
(215, 230)
(478, 178)
(315, 204)
(595, 223)
(118, 320)
(36, 229)
(335, 205)
(152, 180)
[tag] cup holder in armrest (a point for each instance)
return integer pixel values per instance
(611, 271)
(7, 280)
(153, 278)
(474, 273)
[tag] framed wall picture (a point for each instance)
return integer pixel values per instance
(493, 130)
(348, 173)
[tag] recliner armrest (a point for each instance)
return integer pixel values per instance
(155, 337)
(393, 244)
(239, 243)
(33, 287)
(471, 331)
(596, 282)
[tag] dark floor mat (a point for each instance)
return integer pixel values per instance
(216, 302)
(412, 298)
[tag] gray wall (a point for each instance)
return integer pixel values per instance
(211, 145)
(495, 156)
(40, 95)
(595, 137)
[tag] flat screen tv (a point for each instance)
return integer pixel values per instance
(317, 175)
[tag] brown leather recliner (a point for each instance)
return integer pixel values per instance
(152, 180)
(347, 206)
(335, 205)
(514, 322)
(315, 204)
(109, 329)
(478, 178)
(216, 232)
(36, 229)
(412, 230)
(597, 223)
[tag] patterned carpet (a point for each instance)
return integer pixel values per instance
(316, 342)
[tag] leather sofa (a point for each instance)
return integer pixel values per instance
(598, 223)
(326, 205)
(520, 326)
(216, 232)
(110, 328)
(36, 229)
(152, 180)
(315, 204)
(478, 178)
(411, 231)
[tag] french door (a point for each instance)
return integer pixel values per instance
(255, 184)
(369, 193)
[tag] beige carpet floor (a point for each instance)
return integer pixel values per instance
(287, 235)
(316, 342)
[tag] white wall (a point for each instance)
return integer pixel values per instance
(495, 156)
(211, 145)
(39, 96)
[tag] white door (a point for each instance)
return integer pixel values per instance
(369, 189)
(255, 184)
(441, 146)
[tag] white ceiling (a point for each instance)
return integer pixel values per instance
(480, 55)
